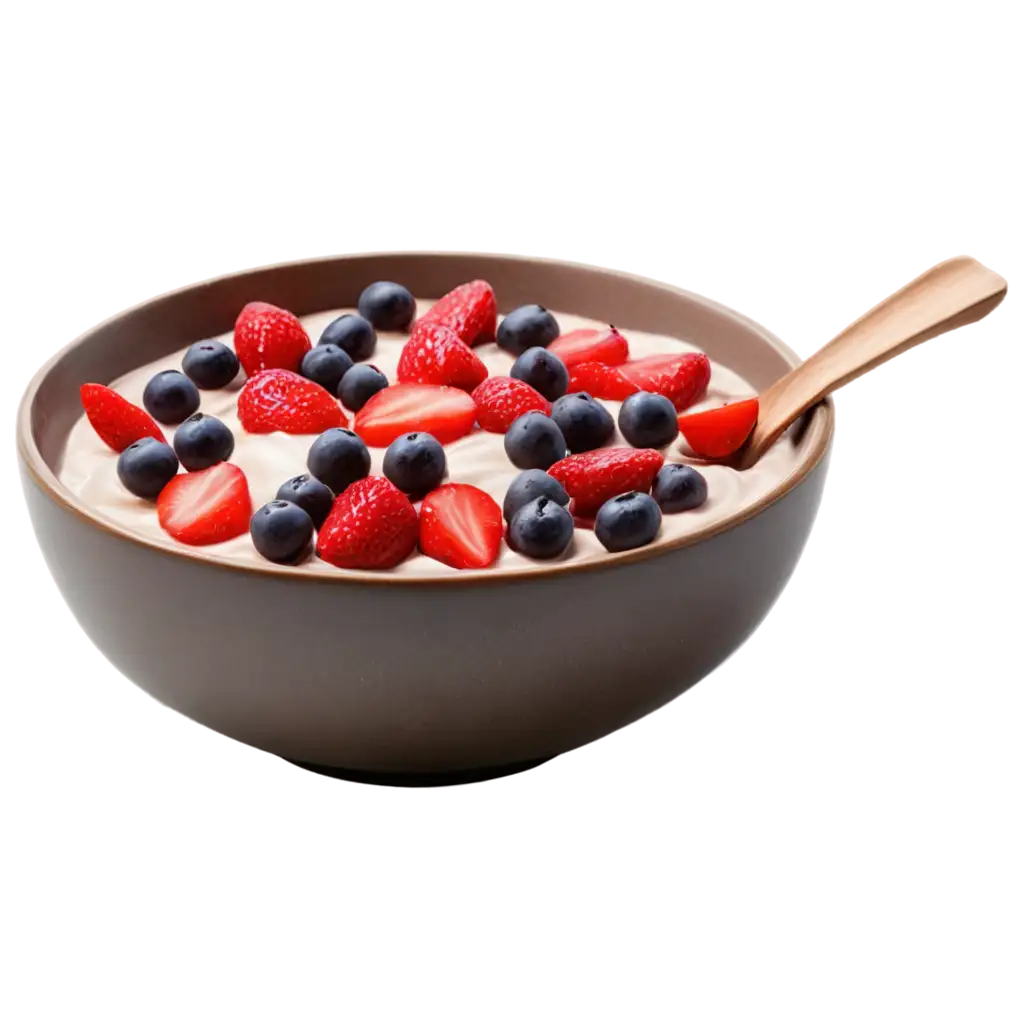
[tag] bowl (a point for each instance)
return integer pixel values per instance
(415, 681)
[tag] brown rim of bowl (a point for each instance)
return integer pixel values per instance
(818, 434)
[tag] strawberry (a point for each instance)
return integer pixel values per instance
(716, 433)
(434, 354)
(269, 338)
(501, 400)
(447, 413)
(601, 381)
(460, 525)
(470, 310)
(206, 507)
(681, 378)
(115, 419)
(591, 346)
(591, 478)
(281, 400)
(372, 525)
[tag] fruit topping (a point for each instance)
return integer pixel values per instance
(372, 525)
(353, 334)
(207, 507)
(170, 397)
(146, 467)
(591, 346)
(679, 488)
(359, 385)
(460, 525)
(501, 400)
(387, 306)
(326, 365)
(310, 494)
(447, 413)
(585, 423)
(434, 354)
(210, 365)
(682, 379)
(415, 463)
(526, 327)
(628, 521)
(543, 371)
(716, 433)
(115, 419)
(534, 441)
(647, 420)
(528, 486)
(338, 457)
(542, 528)
(203, 441)
(470, 310)
(593, 477)
(281, 400)
(601, 381)
(282, 532)
(269, 338)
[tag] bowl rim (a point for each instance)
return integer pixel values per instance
(818, 435)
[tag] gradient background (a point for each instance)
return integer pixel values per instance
(827, 829)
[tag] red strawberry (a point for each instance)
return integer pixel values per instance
(591, 478)
(115, 419)
(282, 400)
(681, 378)
(269, 338)
(372, 525)
(470, 310)
(591, 346)
(716, 433)
(500, 400)
(447, 413)
(601, 381)
(434, 354)
(460, 525)
(207, 506)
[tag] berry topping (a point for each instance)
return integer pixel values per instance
(359, 385)
(206, 507)
(542, 528)
(115, 419)
(543, 371)
(326, 365)
(281, 400)
(388, 306)
(470, 310)
(593, 477)
(338, 457)
(601, 381)
(460, 525)
(447, 413)
(203, 441)
(716, 433)
(534, 442)
(373, 525)
(210, 365)
(679, 488)
(591, 346)
(648, 421)
(281, 532)
(434, 354)
(528, 486)
(310, 494)
(526, 327)
(682, 379)
(628, 521)
(415, 463)
(170, 397)
(269, 338)
(146, 467)
(352, 334)
(500, 400)
(585, 424)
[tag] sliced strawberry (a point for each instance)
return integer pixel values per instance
(447, 413)
(115, 419)
(591, 478)
(601, 381)
(281, 400)
(434, 354)
(269, 338)
(470, 310)
(460, 525)
(682, 378)
(716, 433)
(502, 400)
(591, 346)
(207, 506)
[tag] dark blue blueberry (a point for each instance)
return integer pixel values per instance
(543, 371)
(352, 334)
(679, 488)
(203, 441)
(647, 420)
(281, 531)
(534, 442)
(359, 385)
(310, 494)
(146, 467)
(325, 365)
(415, 463)
(541, 529)
(338, 457)
(170, 397)
(628, 521)
(526, 327)
(528, 486)
(585, 423)
(388, 306)
(210, 365)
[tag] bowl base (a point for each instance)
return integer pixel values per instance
(413, 779)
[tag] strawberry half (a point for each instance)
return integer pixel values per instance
(372, 525)
(502, 400)
(269, 338)
(115, 419)
(601, 381)
(281, 400)
(591, 346)
(207, 506)
(460, 525)
(716, 433)
(470, 310)
(447, 413)
(434, 354)
(683, 379)
(591, 478)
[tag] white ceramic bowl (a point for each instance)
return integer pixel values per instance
(377, 675)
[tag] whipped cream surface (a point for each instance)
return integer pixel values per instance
(88, 468)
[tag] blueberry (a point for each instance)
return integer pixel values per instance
(203, 441)
(526, 327)
(281, 531)
(648, 420)
(359, 385)
(534, 442)
(679, 488)
(210, 365)
(388, 306)
(628, 521)
(170, 397)
(338, 457)
(310, 494)
(325, 365)
(146, 467)
(415, 463)
(542, 528)
(528, 486)
(352, 334)
(543, 371)
(585, 423)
